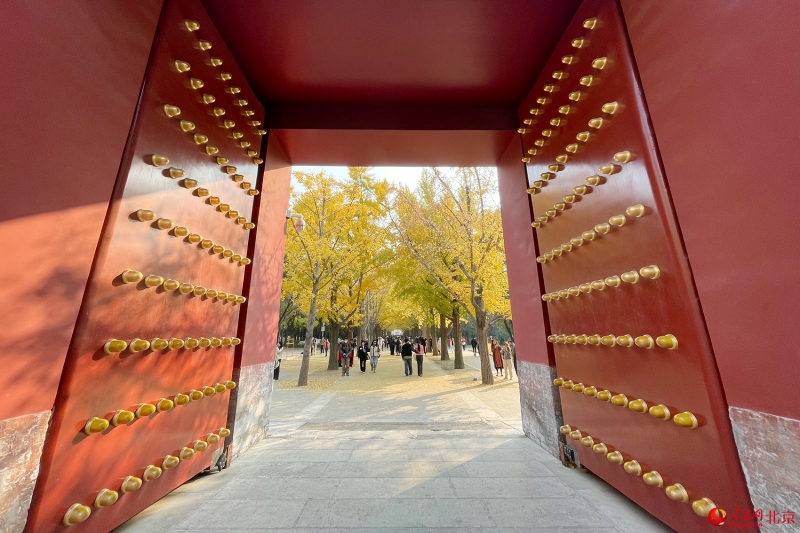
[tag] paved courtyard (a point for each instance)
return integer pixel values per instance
(387, 453)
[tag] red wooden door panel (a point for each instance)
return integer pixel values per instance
(78, 466)
(618, 221)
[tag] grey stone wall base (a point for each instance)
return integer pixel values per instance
(769, 448)
(21, 442)
(540, 404)
(253, 397)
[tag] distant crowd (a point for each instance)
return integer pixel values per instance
(503, 354)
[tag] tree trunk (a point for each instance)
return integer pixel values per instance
(458, 363)
(432, 329)
(302, 380)
(487, 376)
(333, 360)
(443, 337)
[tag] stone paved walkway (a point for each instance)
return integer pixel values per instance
(387, 453)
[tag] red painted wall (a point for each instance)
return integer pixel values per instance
(260, 315)
(530, 323)
(719, 78)
(72, 76)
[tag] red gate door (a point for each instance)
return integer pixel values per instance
(642, 401)
(143, 401)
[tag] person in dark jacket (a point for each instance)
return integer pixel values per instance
(474, 346)
(407, 351)
(345, 357)
(363, 355)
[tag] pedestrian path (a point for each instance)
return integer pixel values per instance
(388, 453)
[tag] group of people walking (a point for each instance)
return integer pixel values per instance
(502, 355)
(365, 352)
(348, 352)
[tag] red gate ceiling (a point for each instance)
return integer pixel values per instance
(456, 69)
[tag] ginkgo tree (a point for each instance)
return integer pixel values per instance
(451, 225)
(342, 220)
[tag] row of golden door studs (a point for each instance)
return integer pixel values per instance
(80, 512)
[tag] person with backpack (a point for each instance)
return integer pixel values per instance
(407, 350)
(374, 354)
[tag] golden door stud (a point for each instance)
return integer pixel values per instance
(600, 63)
(176, 344)
(76, 514)
(130, 484)
(703, 506)
(686, 420)
(580, 42)
(660, 411)
(153, 281)
(600, 448)
(644, 341)
(170, 461)
(668, 342)
(650, 272)
(145, 410)
(620, 400)
(123, 417)
(114, 346)
(131, 276)
(633, 467)
(209, 98)
(677, 492)
(591, 23)
(630, 277)
(182, 66)
(182, 399)
(569, 59)
(191, 25)
(95, 425)
(158, 344)
(186, 453)
(151, 472)
(565, 430)
(171, 110)
(145, 215)
(615, 457)
(653, 479)
(639, 406)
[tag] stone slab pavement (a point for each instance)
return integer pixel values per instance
(387, 453)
